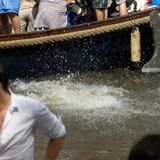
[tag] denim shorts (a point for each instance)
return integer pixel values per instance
(120, 1)
(101, 4)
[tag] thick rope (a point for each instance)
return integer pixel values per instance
(72, 35)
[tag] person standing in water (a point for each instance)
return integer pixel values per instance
(19, 117)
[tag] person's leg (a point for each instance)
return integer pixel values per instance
(101, 14)
(4, 23)
(105, 14)
(23, 20)
(15, 22)
(122, 9)
(32, 16)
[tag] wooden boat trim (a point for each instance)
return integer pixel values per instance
(85, 30)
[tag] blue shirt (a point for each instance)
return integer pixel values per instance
(9, 6)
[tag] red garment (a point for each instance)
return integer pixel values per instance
(149, 1)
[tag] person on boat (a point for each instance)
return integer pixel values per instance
(9, 11)
(27, 14)
(19, 117)
(154, 3)
(122, 7)
(76, 12)
(147, 148)
(136, 5)
(3, 28)
(101, 8)
(51, 14)
(79, 12)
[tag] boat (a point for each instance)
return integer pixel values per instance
(94, 46)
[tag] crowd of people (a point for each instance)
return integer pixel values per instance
(18, 16)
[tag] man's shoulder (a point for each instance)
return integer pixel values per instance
(26, 104)
(24, 100)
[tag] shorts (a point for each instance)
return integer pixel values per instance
(100, 4)
(9, 6)
(120, 1)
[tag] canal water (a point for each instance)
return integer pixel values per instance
(104, 113)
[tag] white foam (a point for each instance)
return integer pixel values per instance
(90, 102)
(72, 95)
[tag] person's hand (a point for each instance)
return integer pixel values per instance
(68, 2)
(26, 5)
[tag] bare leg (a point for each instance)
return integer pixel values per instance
(101, 14)
(105, 14)
(15, 22)
(4, 23)
(122, 9)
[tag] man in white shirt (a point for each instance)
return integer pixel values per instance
(19, 117)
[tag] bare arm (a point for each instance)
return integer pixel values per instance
(53, 148)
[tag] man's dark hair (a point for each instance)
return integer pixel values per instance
(4, 78)
(148, 148)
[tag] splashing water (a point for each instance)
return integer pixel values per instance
(72, 95)
(66, 95)
(95, 114)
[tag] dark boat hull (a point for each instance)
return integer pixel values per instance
(94, 53)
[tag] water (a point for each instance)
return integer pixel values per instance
(104, 113)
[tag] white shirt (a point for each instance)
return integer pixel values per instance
(140, 5)
(17, 135)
